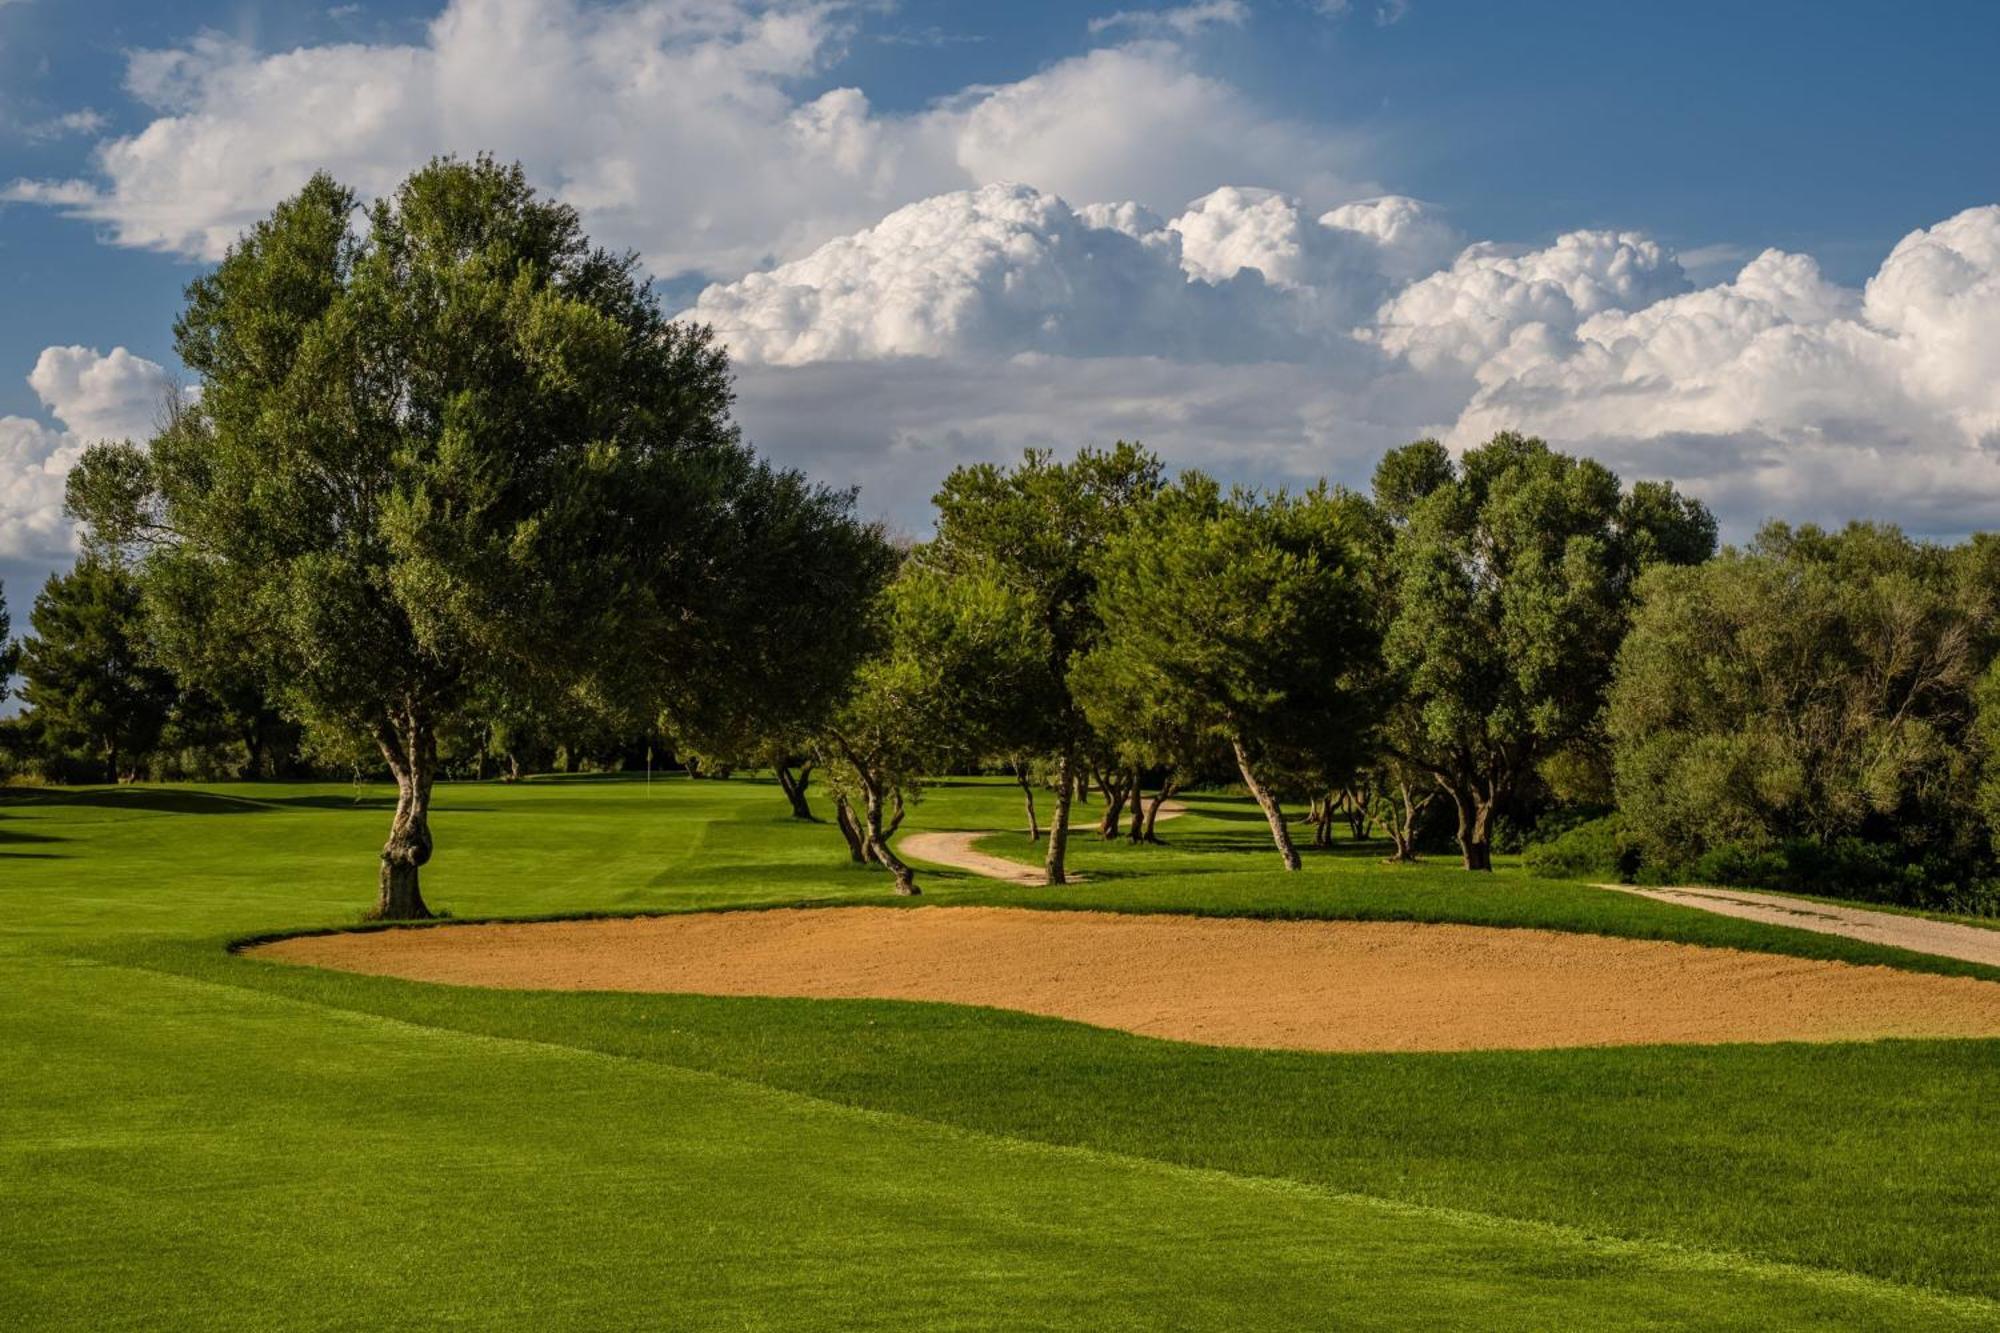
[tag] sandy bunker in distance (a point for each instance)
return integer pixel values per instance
(1307, 985)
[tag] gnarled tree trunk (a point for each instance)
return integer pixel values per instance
(1475, 825)
(1354, 804)
(850, 829)
(794, 787)
(1274, 815)
(1115, 792)
(878, 839)
(1403, 827)
(1167, 789)
(1053, 864)
(409, 746)
(1137, 833)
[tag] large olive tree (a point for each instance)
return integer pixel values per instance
(1511, 578)
(438, 443)
(1247, 619)
(1038, 528)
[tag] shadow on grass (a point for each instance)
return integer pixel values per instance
(152, 800)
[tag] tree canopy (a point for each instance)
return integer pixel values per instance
(1815, 686)
(1512, 578)
(1246, 618)
(90, 676)
(455, 444)
(1039, 528)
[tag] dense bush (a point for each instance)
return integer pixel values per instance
(1605, 850)
(1597, 849)
(1845, 868)
(1805, 714)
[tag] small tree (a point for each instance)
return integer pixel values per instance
(956, 653)
(451, 445)
(89, 673)
(1039, 529)
(1246, 619)
(791, 576)
(1512, 574)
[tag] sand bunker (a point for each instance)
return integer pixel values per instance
(1308, 985)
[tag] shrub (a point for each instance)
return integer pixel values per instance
(1854, 868)
(1597, 849)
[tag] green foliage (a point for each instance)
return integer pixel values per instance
(1597, 849)
(1513, 575)
(1241, 618)
(1846, 867)
(10, 651)
(1815, 690)
(455, 445)
(787, 588)
(957, 655)
(1040, 528)
(90, 676)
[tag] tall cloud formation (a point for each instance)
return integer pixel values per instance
(93, 396)
(1062, 259)
(1777, 392)
(676, 125)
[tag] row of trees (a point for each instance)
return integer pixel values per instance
(1451, 636)
(453, 484)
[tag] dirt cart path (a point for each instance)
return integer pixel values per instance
(955, 849)
(1946, 939)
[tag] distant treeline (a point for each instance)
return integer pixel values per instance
(456, 498)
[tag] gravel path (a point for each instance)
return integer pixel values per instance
(957, 851)
(1946, 939)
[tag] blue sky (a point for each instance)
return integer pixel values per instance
(1685, 138)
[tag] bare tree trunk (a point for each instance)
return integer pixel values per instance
(1137, 833)
(1358, 818)
(1322, 820)
(878, 839)
(1153, 810)
(794, 787)
(1028, 794)
(1114, 805)
(1274, 815)
(1475, 821)
(410, 748)
(850, 829)
(1059, 829)
(1403, 830)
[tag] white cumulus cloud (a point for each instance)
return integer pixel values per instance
(93, 396)
(679, 127)
(1248, 335)
(1469, 311)
(1242, 275)
(1782, 393)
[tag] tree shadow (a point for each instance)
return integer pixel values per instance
(179, 801)
(11, 839)
(153, 800)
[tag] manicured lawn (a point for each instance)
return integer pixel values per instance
(195, 1137)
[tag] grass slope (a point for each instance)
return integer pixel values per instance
(191, 1135)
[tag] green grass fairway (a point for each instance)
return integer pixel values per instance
(193, 1138)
